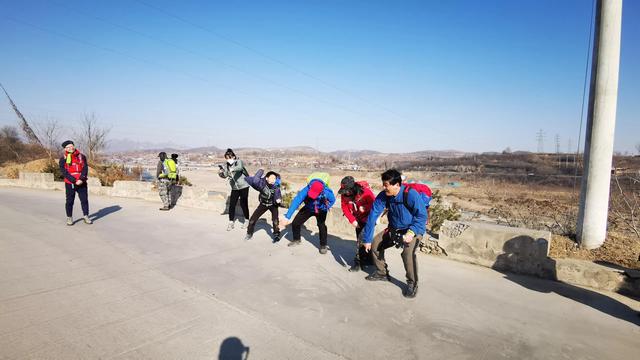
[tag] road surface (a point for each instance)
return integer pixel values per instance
(144, 284)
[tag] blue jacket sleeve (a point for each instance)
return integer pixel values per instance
(330, 196)
(278, 194)
(255, 180)
(419, 212)
(295, 203)
(376, 210)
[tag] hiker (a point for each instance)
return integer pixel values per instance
(74, 169)
(235, 172)
(407, 216)
(166, 175)
(269, 198)
(318, 198)
(356, 200)
(174, 157)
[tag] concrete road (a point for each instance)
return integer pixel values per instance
(145, 284)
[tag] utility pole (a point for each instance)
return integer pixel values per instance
(601, 121)
(540, 138)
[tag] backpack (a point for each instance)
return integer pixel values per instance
(423, 189)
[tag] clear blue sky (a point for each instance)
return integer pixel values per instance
(382, 75)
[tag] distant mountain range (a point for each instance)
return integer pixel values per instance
(128, 146)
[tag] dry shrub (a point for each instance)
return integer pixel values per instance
(110, 173)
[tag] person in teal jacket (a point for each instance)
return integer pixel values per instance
(318, 198)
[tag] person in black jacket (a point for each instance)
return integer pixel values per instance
(270, 198)
(74, 169)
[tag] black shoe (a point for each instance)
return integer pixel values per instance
(355, 267)
(411, 291)
(164, 208)
(276, 238)
(294, 243)
(248, 237)
(377, 277)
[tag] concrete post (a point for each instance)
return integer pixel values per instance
(598, 152)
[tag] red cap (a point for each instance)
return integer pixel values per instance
(315, 189)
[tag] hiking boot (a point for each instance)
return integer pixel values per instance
(276, 238)
(411, 291)
(87, 220)
(294, 243)
(248, 237)
(323, 249)
(69, 221)
(377, 277)
(164, 208)
(230, 226)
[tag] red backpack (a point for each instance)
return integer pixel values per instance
(423, 189)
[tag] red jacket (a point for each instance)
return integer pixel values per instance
(358, 208)
(77, 169)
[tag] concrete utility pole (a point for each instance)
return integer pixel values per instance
(601, 121)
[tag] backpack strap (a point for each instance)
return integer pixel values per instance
(405, 195)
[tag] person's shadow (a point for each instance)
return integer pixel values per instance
(343, 251)
(176, 193)
(232, 348)
(102, 213)
(515, 252)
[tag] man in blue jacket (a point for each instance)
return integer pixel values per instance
(318, 198)
(407, 216)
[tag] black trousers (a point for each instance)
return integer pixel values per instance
(303, 215)
(243, 194)
(261, 209)
(70, 191)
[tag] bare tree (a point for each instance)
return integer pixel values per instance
(625, 203)
(49, 132)
(91, 137)
(10, 144)
(638, 148)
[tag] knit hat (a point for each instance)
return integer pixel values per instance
(68, 142)
(315, 189)
(347, 184)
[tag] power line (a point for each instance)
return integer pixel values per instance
(270, 58)
(141, 60)
(214, 60)
(584, 91)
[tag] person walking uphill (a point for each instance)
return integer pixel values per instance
(74, 169)
(269, 198)
(356, 200)
(235, 172)
(407, 216)
(318, 198)
(166, 173)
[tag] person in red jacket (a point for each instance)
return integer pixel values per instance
(74, 169)
(357, 200)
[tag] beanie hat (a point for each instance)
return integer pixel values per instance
(68, 142)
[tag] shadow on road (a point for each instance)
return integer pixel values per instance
(584, 296)
(232, 348)
(343, 251)
(104, 212)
